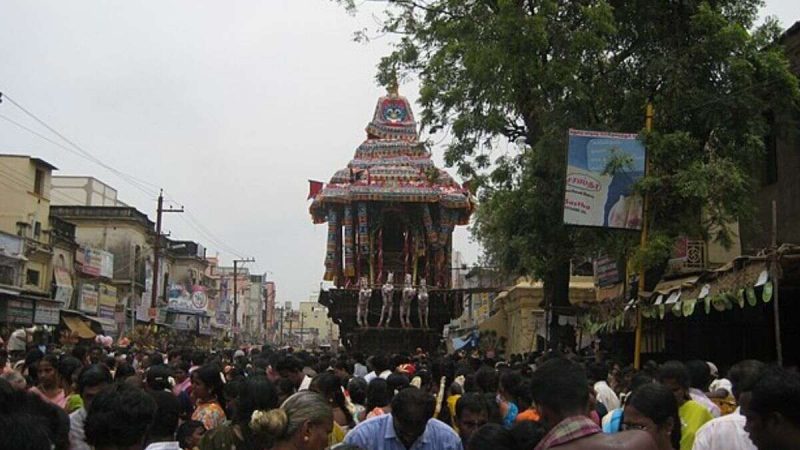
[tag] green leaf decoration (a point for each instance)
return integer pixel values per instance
(767, 294)
(719, 302)
(707, 302)
(661, 311)
(677, 309)
(751, 297)
(688, 307)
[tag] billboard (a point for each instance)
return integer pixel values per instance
(94, 262)
(181, 298)
(88, 298)
(596, 195)
(107, 299)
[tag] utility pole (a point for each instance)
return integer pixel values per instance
(157, 249)
(637, 349)
(281, 326)
(236, 293)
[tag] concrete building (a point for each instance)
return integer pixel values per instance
(83, 191)
(26, 243)
(270, 312)
(316, 328)
(234, 302)
(25, 212)
(778, 176)
(125, 233)
(188, 287)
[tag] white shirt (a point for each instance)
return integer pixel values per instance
(372, 375)
(606, 395)
(724, 433)
(700, 397)
(77, 438)
(305, 384)
(175, 445)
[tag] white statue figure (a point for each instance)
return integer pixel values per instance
(405, 306)
(387, 291)
(422, 304)
(364, 295)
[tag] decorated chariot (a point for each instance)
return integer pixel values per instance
(390, 215)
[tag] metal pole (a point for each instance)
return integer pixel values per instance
(775, 275)
(235, 300)
(156, 248)
(637, 352)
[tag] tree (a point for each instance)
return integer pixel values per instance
(525, 71)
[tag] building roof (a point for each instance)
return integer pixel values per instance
(37, 161)
(792, 30)
(72, 213)
(392, 165)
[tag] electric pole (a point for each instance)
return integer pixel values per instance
(157, 249)
(236, 293)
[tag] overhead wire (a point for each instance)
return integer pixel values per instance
(130, 179)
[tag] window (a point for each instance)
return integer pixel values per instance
(38, 183)
(32, 277)
(7, 275)
(37, 229)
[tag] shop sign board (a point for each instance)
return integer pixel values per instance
(602, 169)
(204, 325)
(88, 298)
(94, 262)
(64, 289)
(16, 311)
(188, 299)
(46, 313)
(184, 322)
(107, 299)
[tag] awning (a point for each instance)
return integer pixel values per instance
(109, 325)
(79, 327)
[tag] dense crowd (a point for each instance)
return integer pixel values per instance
(126, 398)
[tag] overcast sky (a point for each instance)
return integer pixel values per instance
(230, 106)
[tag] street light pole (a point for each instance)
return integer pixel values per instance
(236, 294)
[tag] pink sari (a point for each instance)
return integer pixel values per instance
(59, 400)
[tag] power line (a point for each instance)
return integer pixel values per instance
(133, 181)
(130, 179)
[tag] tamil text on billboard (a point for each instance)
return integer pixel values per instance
(602, 169)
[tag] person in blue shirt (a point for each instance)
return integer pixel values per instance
(410, 426)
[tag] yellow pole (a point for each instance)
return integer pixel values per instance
(637, 352)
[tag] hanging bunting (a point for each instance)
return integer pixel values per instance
(330, 254)
(427, 220)
(349, 243)
(363, 229)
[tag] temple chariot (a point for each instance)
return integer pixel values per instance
(390, 215)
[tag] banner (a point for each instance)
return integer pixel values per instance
(63, 281)
(97, 263)
(181, 299)
(185, 322)
(594, 195)
(107, 300)
(88, 298)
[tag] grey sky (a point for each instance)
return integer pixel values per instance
(229, 106)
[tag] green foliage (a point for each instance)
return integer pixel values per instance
(494, 70)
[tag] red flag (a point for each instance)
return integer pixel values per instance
(314, 188)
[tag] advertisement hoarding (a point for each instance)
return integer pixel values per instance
(107, 300)
(595, 195)
(183, 298)
(88, 298)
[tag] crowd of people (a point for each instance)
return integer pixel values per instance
(125, 398)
